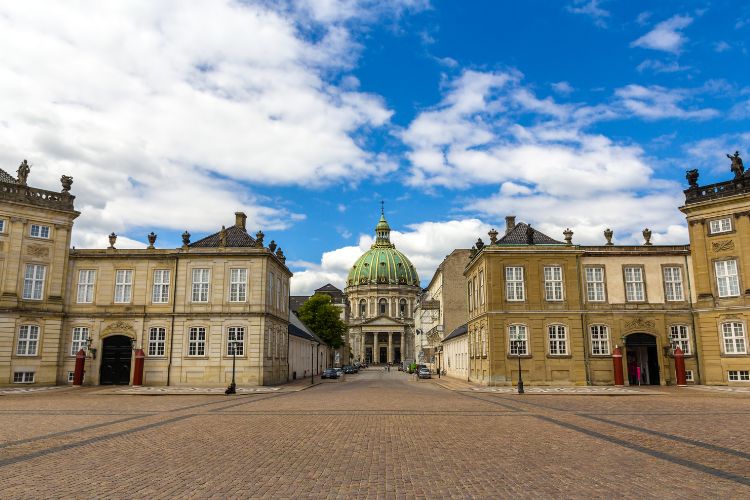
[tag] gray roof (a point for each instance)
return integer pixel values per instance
(236, 237)
(296, 301)
(461, 330)
(328, 288)
(517, 236)
(299, 329)
(6, 177)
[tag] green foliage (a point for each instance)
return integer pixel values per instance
(324, 319)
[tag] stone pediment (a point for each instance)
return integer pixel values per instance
(382, 321)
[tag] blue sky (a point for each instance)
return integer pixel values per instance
(305, 114)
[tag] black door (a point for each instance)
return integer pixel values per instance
(383, 354)
(643, 358)
(116, 355)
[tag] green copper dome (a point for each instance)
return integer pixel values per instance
(382, 263)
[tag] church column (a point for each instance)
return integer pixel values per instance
(390, 347)
(403, 348)
(375, 349)
(363, 348)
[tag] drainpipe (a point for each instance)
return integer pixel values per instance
(692, 318)
(174, 305)
(586, 361)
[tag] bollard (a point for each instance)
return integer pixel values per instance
(138, 373)
(80, 367)
(617, 364)
(679, 366)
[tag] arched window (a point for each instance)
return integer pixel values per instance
(402, 308)
(382, 306)
(362, 308)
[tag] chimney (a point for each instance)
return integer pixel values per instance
(240, 219)
(510, 223)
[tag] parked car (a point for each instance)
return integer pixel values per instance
(424, 373)
(349, 369)
(340, 371)
(330, 373)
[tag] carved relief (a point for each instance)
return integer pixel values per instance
(640, 324)
(119, 327)
(722, 245)
(37, 251)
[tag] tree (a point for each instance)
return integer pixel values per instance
(324, 319)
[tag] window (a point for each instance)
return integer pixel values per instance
(471, 295)
(271, 280)
(514, 283)
(80, 336)
(483, 333)
(38, 231)
(595, 284)
(237, 285)
(23, 377)
(236, 341)
(362, 308)
(476, 291)
(157, 338)
(28, 340)
(481, 287)
(160, 293)
(739, 375)
(721, 225)
(123, 286)
(679, 336)
(2, 225)
(86, 278)
(278, 292)
(634, 289)
(673, 284)
(726, 278)
(197, 341)
(402, 308)
(518, 340)
(558, 340)
(689, 376)
(269, 342)
(734, 338)
(382, 306)
(71, 376)
(553, 286)
(599, 340)
(33, 281)
(200, 285)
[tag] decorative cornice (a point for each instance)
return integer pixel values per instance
(640, 324)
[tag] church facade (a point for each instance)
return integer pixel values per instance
(191, 310)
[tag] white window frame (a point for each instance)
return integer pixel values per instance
(553, 283)
(123, 286)
(727, 278)
(738, 375)
(518, 340)
(557, 339)
(718, 226)
(28, 340)
(635, 285)
(481, 287)
(734, 340)
(160, 289)
(33, 281)
(201, 284)
(673, 288)
(2, 225)
(599, 337)
(78, 340)
(483, 335)
(679, 335)
(470, 291)
(689, 377)
(196, 341)
(25, 377)
(236, 339)
(40, 231)
(595, 289)
(85, 289)
(237, 284)
(514, 284)
(157, 342)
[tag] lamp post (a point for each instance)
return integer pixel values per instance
(232, 389)
(312, 364)
(520, 376)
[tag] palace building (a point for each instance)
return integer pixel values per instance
(190, 309)
(555, 312)
(382, 288)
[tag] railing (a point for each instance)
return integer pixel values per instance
(718, 190)
(35, 196)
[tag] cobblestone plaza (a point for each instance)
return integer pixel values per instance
(375, 434)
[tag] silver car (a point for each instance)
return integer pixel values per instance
(424, 373)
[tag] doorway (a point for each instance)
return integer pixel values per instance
(368, 355)
(643, 361)
(116, 356)
(383, 355)
(397, 355)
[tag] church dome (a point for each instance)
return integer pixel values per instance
(382, 263)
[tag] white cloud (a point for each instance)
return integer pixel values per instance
(163, 111)
(666, 36)
(563, 88)
(655, 102)
(709, 154)
(721, 46)
(591, 8)
(661, 66)
(426, 244)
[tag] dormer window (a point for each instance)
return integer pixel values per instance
(39, 231)
(723, 225)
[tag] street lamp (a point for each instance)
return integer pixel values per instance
(90, 349)
(232, 389)
(520, 376)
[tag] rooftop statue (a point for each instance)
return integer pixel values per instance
(738, 169)
(23, 172)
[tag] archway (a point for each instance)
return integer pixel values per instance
(642, 359)
(116, 356)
